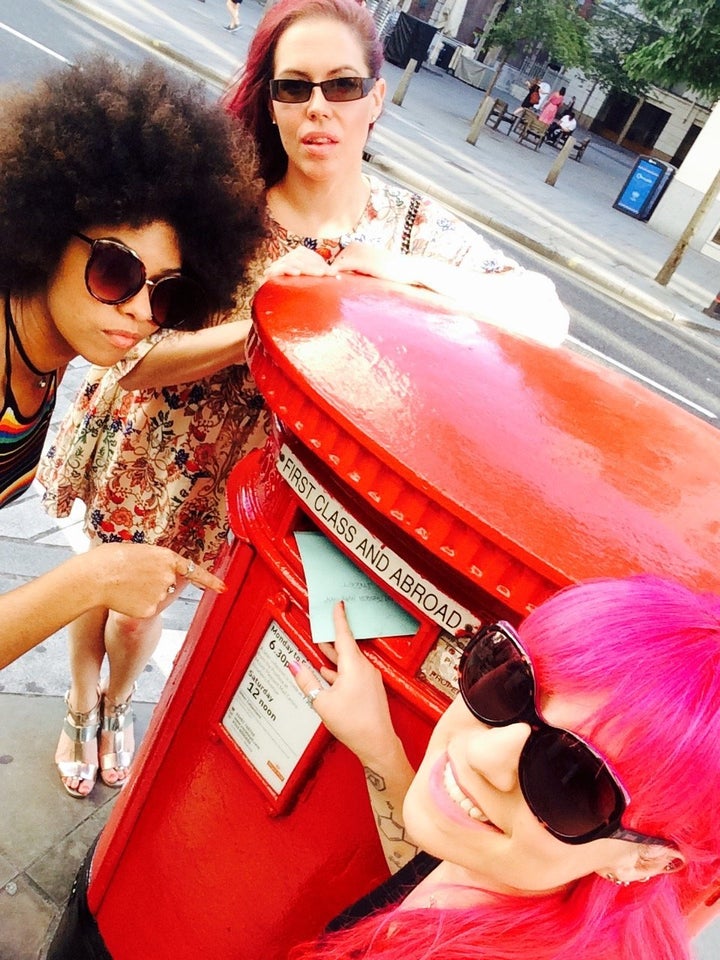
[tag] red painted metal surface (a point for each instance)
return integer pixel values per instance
(495, 467)
(571, 468)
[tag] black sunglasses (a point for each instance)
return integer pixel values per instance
(337, 90)
(114, 273)
(567, 785)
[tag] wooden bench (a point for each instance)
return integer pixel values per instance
(579, 148)
(501, 114)
(532, 132)
(526, 115)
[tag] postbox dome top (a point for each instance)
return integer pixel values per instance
(463, 435)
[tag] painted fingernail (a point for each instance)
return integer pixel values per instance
(294, 667)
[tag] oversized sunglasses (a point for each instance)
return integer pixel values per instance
(337, 90)
(114, 273)
(567, 785)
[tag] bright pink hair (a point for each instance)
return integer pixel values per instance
(651, 650)
(248, 96)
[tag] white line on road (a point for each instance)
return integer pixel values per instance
(639, 376)
(34, 43)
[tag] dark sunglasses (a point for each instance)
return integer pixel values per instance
(114, 273)
(567, 785)
(337, 90)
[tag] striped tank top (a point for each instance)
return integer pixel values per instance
(21, 438)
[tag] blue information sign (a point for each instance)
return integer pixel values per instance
(640, 188)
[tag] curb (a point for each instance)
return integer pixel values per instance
(625, 292)
(145, 40)
(621, 290)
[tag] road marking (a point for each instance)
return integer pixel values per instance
(639, 376)
(34, 43)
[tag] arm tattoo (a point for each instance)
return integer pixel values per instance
(396, 843)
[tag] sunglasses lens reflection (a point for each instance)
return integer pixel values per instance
(495, 681)
(344, 88)
(567, 787)
(114, 273)
(178, 302)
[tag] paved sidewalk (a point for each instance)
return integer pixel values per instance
(497, 182)
(44, 833)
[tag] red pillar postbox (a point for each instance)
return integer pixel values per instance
(467, 472)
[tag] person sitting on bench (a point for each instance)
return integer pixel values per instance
(564, 125)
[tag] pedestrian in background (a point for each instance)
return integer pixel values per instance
(233, 8)
(532, 97)
(552, 105)
(564, 126)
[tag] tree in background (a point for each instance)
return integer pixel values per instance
(615, 32)
(687, 50)
(551, 25)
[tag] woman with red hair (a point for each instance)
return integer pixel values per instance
(566, 805)
(150, 442)
(309, 94)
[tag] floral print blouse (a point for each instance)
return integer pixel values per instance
(152, 465)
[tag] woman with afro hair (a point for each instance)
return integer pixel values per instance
(129, 211)
(107, 178)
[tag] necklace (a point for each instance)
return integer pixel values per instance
(43, 376)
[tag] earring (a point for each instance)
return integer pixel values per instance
(613, 879)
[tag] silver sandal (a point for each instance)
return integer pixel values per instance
(80, 728)
(116, 718)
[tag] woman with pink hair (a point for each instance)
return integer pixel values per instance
(566, 806)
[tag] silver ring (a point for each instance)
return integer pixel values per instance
(171, 588)
(190, 568)
(311, 696)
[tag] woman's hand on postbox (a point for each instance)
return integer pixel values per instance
(375, 262)
(302, 261)
(354, 707)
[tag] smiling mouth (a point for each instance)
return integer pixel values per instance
(461, 799)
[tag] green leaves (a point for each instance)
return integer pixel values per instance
(688, 48)
(615, 32)
(553, 25)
